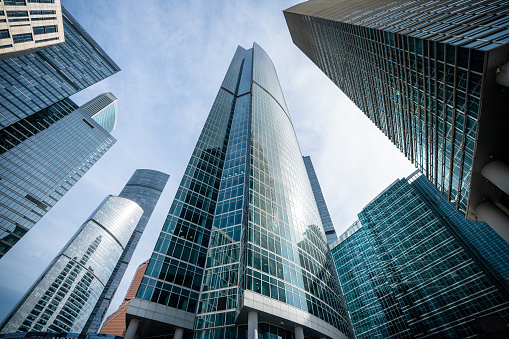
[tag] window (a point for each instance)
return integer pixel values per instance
(44, 18)
(42, 1)
(17, 38)
(4, 34)
(15, 3)
(12, 14)
(42, 12)
(45, 29)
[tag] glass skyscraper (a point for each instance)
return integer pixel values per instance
(35, 81)
(103, 109)
(412, 267)
(144, 188)
(328, 227)
(46, 142)
(41, 157)
(63, 297)
(432, 76)
(243, 249)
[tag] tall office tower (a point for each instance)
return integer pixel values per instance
(115, 324)
(35, 81)
(144, 188)
(28, 26)
(41, 157)
(409, 268)
(433, 77)
(63, 297)
(103, 109)
(244, 229)
(328, 227)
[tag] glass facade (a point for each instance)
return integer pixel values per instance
(408, 271)
(104, 110)
(328, 227)
(144, 188)
(244, 221)
(41, 157)
(33, 82)
(419, 71)
(63, 297)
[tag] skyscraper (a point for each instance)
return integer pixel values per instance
(103, 109)
(28, 26)
(63, 297)
(408, 270)
(433, 77)
(243, 249)
(46, 142)
(35, 81)
(328, 227)
(144, 188)
(115, 324)
(41, 157)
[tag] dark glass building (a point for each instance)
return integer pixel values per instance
(144, 188)
(433, 77)
(243, 252)
(328, 227)
(64, 295)
(412, 267)
(31, 83)
(41, 157)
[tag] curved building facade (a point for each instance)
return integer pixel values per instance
(144, 188)
(65, 294)
(104, 110)
(267, 269)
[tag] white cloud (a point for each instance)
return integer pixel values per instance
(173, 57)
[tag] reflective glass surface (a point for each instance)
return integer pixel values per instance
(41, 157)
(104, 110)
(408, 272)
(33, 82)
(64, 295)
(328, 227)
(144, 188)
(245, 217)
(416, 70)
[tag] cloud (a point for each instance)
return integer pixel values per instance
(174, 56)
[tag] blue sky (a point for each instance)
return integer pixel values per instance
(174, 55)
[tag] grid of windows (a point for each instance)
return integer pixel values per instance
(174, 275)
(406, 273)
(63, 297)
(144, 188)
(41, 157)
(416, 69)
(244, 217)
(328, 227)
(33, 82)
(267, 235)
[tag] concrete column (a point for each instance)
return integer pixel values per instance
(179, 333)
(502, 77)
(252, 325)
(498, 173)
(495, 217)
(299, 333)
(131, 329)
